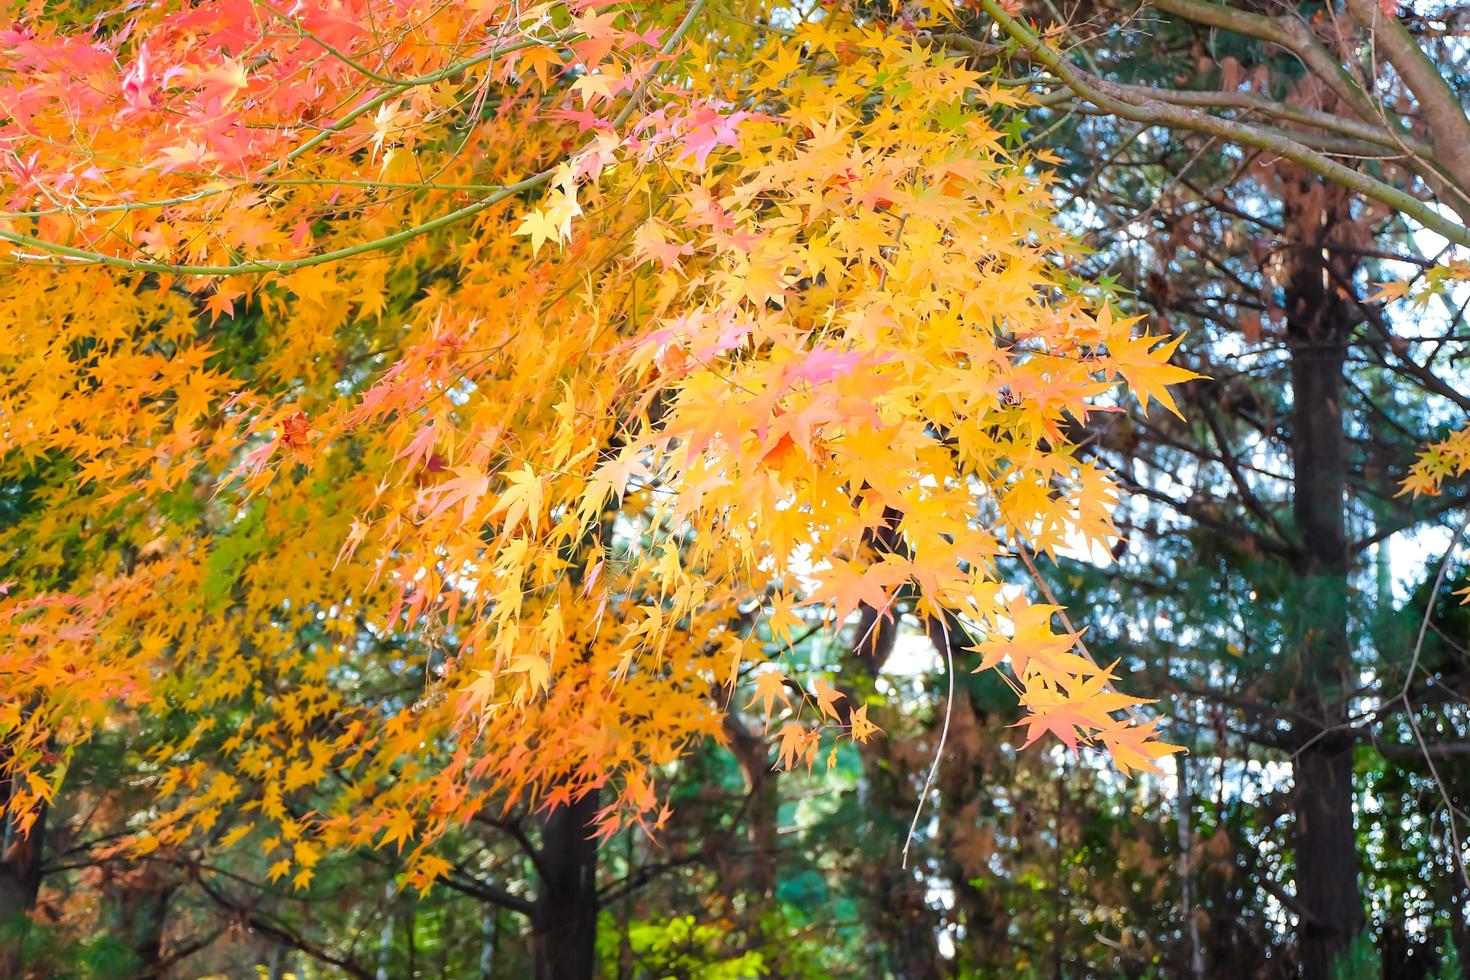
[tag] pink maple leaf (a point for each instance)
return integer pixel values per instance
(708, 129)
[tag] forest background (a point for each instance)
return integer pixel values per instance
(505, 490)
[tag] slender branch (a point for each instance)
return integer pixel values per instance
(287, 265)
(280, 932)
(1198, 514)
(1295, 35)
(325, 133)
(188, 949)
(1414, 369)
(517, 833)
(278, 265)
(1439, 749)
(1247, 495)
(1290, 33)
(1443, 504)
(1441, 108)
(1444, 565)
(465, 883)
(1116, 100)
(1365, 132)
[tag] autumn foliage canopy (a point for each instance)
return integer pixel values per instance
(574, 356)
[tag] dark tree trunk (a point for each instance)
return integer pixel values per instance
(898, 911)
(20, 880)
(760, 814)
(140, 901)
(1319, 325)
(564, 932)
(1326, 857)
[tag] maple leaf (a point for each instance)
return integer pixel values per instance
(541, 226)
(781, 618)
(219, 84)
(540, 60)
(1033, 645)
(1136, 747)
(1071, 707)
(823, 365)
(398, 828)
(705, 129)
(861, 728)
(652, 242)
(826, 696)
(304, 854)
(252, 467)
(796, 745)
(770, 686)
(1438, 462)
(599, 36)
(1050, 711)
(1143, 363)
(425, 869)
(296, 433)
(221, 301)
(521, 499)
(195, 394)
(235, 835)
(189, 154)
(466, 489)
(419, 447)
(536, 669)
(585, 119)
(849, 584)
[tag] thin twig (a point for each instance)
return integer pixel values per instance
(938, 749)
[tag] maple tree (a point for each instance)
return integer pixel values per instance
(416, 416)
(546, 354)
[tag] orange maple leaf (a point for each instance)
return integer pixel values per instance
(770, 686)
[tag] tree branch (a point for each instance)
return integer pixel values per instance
(1118, 101)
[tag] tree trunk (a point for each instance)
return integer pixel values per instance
(20, 880)
(385, 939)
(1193, 952)
(753, 754)
(564, 933)
(138, 900)
(1326, 857)
(1319, 325)
(897, 907)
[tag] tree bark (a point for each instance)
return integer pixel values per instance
(1326, 857)
(1319, 325)
(753, 754)
(898, 911)
(1189, 923)
(20, 881)
(564, 930)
